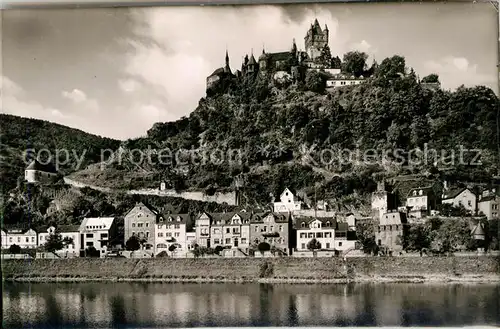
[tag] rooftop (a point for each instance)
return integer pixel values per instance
(38, 166)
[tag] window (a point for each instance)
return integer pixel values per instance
(228, 241)
(147, 224)
(89, 244)
(311, 235)
(264, 229)
(235, 230)
(319, 235)
(27, 239)
(281, 228)
(216, 241)
(302, 224)
(18, 239)
(303, 235)
(104, 235)
(243, 240)
(147, 234)
(328, 224)
(216, 231)
(469, 203)
(161, 219)
(256, 229)
(160, 234)
(228, 230)
(41, 238)
(327, 245)
(177, 234)
(139, 224)
(89, 235)
(168, 234)
(133, 233)
(177, 226)
(303, 246)
(340, 244)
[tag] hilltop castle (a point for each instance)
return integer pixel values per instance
(295, 62)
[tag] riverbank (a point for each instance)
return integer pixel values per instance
(279, 270)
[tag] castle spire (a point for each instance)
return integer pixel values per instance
(294, 46)
(227, 69)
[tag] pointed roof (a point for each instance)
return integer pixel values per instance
(252, 60)
(45, 167)
(478, 231)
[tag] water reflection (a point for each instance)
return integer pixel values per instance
(191, 305)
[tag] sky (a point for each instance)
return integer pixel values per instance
(114, 72)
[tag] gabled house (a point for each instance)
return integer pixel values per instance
(461, 196)
(273, 228)
(202, 228)
(420, 201)
(23, 237)
(490, 206)
(170, 229)
(288, 202)
(140, 221)
(231, 230)
(67, 231)
(391, 230)
(38, 172)
(97, 232)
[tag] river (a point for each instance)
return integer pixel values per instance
(112, 305)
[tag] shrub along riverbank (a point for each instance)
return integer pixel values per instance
(482, 268)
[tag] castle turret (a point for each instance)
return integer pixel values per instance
(227, 69)
(263, 61)
(252, 64)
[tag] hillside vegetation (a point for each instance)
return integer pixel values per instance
(23, 138)
(273, 126)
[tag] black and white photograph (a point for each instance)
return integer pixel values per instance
(269, 165)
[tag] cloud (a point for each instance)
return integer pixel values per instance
(15, 102)
(364, 46)
(128, 85)
(456, 71)
(75, 95)
(181, 46)
(80, 98)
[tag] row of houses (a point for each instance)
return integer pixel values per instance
(422, 202)
(237, 233)
(97, 232)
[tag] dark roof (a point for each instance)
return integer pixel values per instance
(36, 165)
(454, 193)
(309, 220)
(278, 217)
(252, 60)
(488, 198)
(184, 218)
(284, 55)
(426, 191)
(219, 71)
(17, 229)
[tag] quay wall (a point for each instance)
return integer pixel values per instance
(252, 269)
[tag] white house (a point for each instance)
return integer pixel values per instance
(97, 232)
(420, 201)
(323, 230)
(342, 80)
(170, 230)
(67, 231)
(490, 206)
(464, 197)
(24, 238)
(202, 229)
(289, 202)
(39, 172)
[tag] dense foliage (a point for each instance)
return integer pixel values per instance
(275, 136)
(22, 139)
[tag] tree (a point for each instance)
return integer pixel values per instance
(431, 78)
(133, 243)
(218, 249)
(263, 246)
(325, 58)
(365, 233)
(15, 249)
(313, 245)
(54, 242)
(392, 67)
(354, 62)
(92, 252)
(417, 238)
(172, 247)
(315, 82)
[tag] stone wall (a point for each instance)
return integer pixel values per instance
(253, 269)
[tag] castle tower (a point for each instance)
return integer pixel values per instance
(315, 40)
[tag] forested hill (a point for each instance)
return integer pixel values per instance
(18, 134)
(272, 123)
